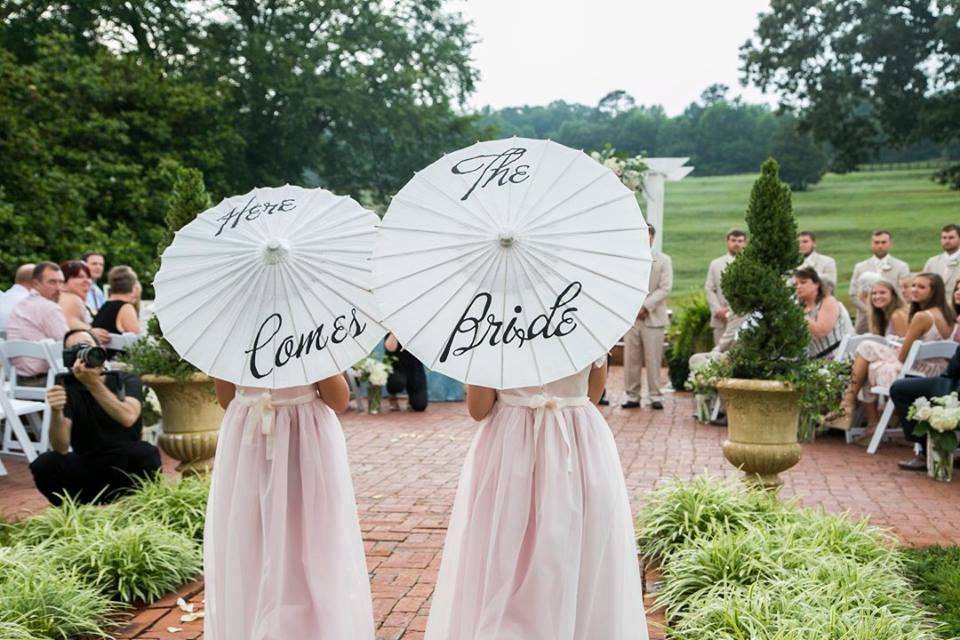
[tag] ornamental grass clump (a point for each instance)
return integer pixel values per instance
(133, 563)
(17, 631)
(175, 505)
(680, 513)
(741, 565)
(57, 524)
(41, 600)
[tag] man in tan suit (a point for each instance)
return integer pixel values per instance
(825, 266)
(947, 264)
(889, 268)
(643, 344)
(720, 314)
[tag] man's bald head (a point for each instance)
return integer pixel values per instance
(24, 275)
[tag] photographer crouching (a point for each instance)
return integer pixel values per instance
(98, 414)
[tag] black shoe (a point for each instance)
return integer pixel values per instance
(603, 400)
(916, 463)
(629, 404)
(721, 420)
(656, 404)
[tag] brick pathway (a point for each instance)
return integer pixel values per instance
(405, 469)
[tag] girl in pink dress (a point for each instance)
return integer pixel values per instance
(540, 544)
(283, 556)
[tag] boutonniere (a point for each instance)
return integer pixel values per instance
(953, 262)
(885, 267)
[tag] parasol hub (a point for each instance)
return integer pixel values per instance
(275, 251)
(506, 238)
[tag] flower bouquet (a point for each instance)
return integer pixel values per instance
(703, 383)
(630, 170)
(938, 420)
(374, 373)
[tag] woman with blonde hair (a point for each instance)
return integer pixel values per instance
(888, 313)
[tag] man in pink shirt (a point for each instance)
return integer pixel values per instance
(38, 317)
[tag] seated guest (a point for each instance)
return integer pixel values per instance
(879, 364)
(904, 392)
(119, 313)
(906, 284)
(38, 317)
(408, 375)
(828, 321)
(98, 414)
(73, 294)
(955, 306)
(888, 313)
(94, 261)
(22, 282)
(73, 297)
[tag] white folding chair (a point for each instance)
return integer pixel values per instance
(11, 410)
(848, 345)
(919, 352)
(18, 393)
(847, 351)
(40, 350)
(120, 341)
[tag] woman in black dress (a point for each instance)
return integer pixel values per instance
(119, 314)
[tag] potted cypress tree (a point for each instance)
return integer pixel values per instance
(765, 371)
(188, 406)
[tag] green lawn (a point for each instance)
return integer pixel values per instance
(841, 210)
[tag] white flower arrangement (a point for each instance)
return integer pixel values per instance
(942, 414)
(151, 400)
(630, 170)
(373, 371)
(938, 419)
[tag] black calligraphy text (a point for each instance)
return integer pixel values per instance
(295, 347)
(479, 326)
(251, 211)
(502, 167)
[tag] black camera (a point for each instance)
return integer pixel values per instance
(90, 355)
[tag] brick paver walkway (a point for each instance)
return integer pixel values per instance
(405, 469)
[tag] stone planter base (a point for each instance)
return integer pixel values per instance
(191, 421)
(763, 417)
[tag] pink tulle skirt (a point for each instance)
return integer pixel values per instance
(540, 544)
(283, 556)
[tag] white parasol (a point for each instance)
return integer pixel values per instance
(271, 289)
(511, 263)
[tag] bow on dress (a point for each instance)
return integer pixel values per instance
(541, 404)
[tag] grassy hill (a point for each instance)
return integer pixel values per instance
(841, 210)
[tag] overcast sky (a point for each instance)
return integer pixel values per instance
(661, 52)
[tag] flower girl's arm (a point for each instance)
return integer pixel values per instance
(335, 392)
(480, 401)
(596, 383)
(225, 391)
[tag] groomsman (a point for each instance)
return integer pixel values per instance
(719, 309)
(825, 266)
(947, 264)
(890, 269)
(643, 344)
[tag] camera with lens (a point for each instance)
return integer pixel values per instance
(90, 355)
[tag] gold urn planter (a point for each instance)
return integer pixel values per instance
(762, 420)
(191, 420)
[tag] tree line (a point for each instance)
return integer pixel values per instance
(104, 104)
